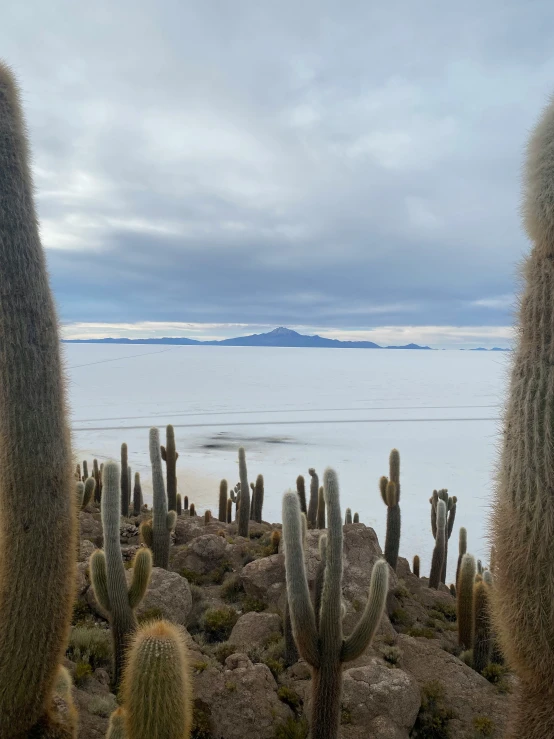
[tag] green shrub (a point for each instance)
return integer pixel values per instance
(102, 705)
(250, 603)
(82, 672)
(90, 645)
(392, 655)
(290, 697)
(400, 617)
(494, 673)
(218, 623)
(448, 610)
(197, 593)
(151, 614)
(231, 589)
(224, 650)
(484, 727)
(214, 577)
(201, 721)
(292, 728)
(423, 631)
(275, 665)
(434, 715)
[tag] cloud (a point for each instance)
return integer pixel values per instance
(292, 165)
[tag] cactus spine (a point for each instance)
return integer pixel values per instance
(437, 560)
(137, 495)
(108, 573)
(244, 508)
(38, 525)
(390, 492)
(223, 501)
(523, 514)
(157, 689)
(170, 457)
(464, 601)
(481, 626)
(416, 565)
(323, 645)
(258, 499)
(314, 497)
(124, 482)
(301, 490)
(163, 521)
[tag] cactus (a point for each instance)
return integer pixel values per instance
(207, 517)
(348, 516)
(321, 508)
(356, 518)
(98, 478)
(192, 510)
(416, 565)
(116, 729)
(323, 645)
(464, 601)
(179, 504)
(229, 511)
(450, 502)
(462, 549)
(157, 689)
(38, 524)
(163, 521)
(390, 492)
(479, 567)
(80, 493)
(170, 456)
(244, 507)
(258, 499)
(124, 481)
(301, 490)
(437, 560)
(88, 493)
(275, 541)
(85, 470)
(108, 573)
(481, 626)
(223, 501)
(453, 590)
(314, 497)
(137, 495)
(78, 473)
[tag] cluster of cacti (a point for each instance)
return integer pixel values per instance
(156, 533)
(108, 573)
(244, 505)
(390, 492)
(450, 503)
(314, 499)
(170, 456)
(318, 631)
(37, 562)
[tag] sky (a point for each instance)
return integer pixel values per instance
(213, 169)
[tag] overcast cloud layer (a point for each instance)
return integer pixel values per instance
(338, 166)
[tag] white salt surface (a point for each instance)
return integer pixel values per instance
(298, 408)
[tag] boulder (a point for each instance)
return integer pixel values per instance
(265, 578)
(91, 527)
(204, 554)
(255, 629)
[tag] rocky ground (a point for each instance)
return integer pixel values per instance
(229, 593)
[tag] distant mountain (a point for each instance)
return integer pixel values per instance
(284, 337)
(494, 349)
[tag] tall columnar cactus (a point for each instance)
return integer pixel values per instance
(462, 549)
(322, 644)
(137, 495)
(437, 560)
(356, 518)
(186, 502)
(390, 492)
(98, 478)
(108, 573)
(229, 511)
(314, 498)
(258, 499)
(222, 515)
(124, 481)
(464, 601)
(244, 508)
(170, 457)
(321, 508)
(301, 490)
(179, 504)
(85, 470)
(523, 514)
(38, 521)
(116, 729)
(157, 533)
(157, 689)
(88, 493)
(482, 641)
(450, 502)
(416, 565)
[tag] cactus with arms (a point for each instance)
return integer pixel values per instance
(450, 502)
(157, 689)
(321, 642)
(390, 492)
(156, 533)
(439, 551)
(170, 457)
(37, 562)
(108, 573)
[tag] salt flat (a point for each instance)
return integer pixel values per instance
(298, 408)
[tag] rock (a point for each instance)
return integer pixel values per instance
(91, 527)
(85, 551)
(128, 531)
(382, 700)
(82, 579)
(234, 661)
(242, 702)
(265, 578)
(204, 554)
(466, 692)
(187, 529)
(255, 629)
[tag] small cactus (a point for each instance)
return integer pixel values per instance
(244, 508)
(416, 565)
(301, 490)
(390, 492)
(85, 470)
(258, 499)
(186, 502)
(223, 501)
(124, 482)
(207, 517)
(98, 477)
(321, 509)
(356, 518)
(348, 516)
(192, 510)
(464, 601)
(170, 456)
(275, 541)
(179, 504)
(314, 498)
(157, 689)
(440, 547)
(116, 728)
